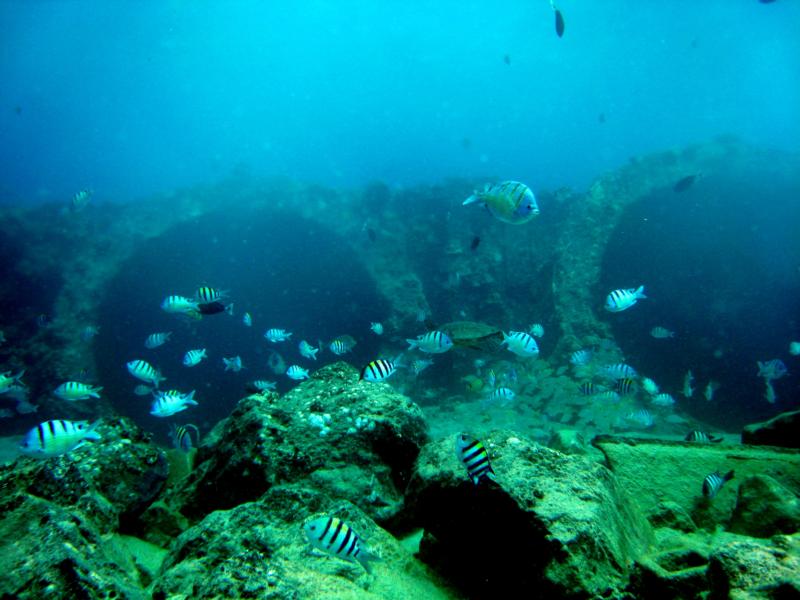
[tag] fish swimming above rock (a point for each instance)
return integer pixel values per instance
(181, 437)
(473, 455)
(53, 438)
(623, 299)
(701, 437)
(75, 390)
(433, 342)
(521, 343)
(144, 371)
(378, 370)
(307, 350)
(260, 385)
(171, 402)
(510, 202)
(297, 373)
(276, 335)
(336, 538)
(713, 483)
(342, 345)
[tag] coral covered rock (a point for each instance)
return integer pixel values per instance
(113, 480)
(765, 508)
(259, 550)
(554, 525)
(354, 440)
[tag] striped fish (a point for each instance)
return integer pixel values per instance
(589, 388)
(172, 402)
(181, 436)
(503, 394)
(378, 370)
(53, 438)
(260, 385)
(75, 390)
(713, 483)
(154, 340)
(580, 357)
(520, 343)
(623, 299)
(702, 437)
(607, 396)
(509, 201)
(297, 373)
(144, 371)
(474, 457)
(619, 371)
(433, 342)
(662, 399)
(179, 305)
(626, 386)
(661, 333)
(193, 357)
(336, 538)
(206, 295)
(641, 417)
(342, 345)
(276, 335)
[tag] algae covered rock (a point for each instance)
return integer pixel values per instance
(349, 439)
(259, 550)
(765, 508)
(781, 430)
(555, 525)
(48, 551)
(113, 479)
(748, 569)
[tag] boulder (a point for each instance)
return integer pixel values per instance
(111, 480)
(778, 431)
(259, 550)
(748, 569)
(49, 551)
(765, 508)
(657, 471)
(346, 438)
(554, 525)
(568, 441)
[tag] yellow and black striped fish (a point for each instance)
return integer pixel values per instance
(626, 386)
(335, 537)
(378, 370)
(208, 294)
(474, 457)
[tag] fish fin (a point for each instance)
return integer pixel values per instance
(91, 434)
(728, 476)
(412, 344)
(715, 440)
(639, 293)
(476, 197)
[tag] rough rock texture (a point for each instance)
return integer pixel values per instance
(259, 550)
(765, 508)
(47, 551)
(112, 480)
(781, 430)
(654, 471)
(554, 525)
(747, 569)
(349, 439)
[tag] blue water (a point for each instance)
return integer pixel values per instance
(135, 98)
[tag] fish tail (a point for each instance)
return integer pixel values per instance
(640, 292)
(91, 434)
(412, 344)
(229, 309)
(728, 476)
(717, 440)
(476, 197)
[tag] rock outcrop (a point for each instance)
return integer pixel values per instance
(765, 508)
(348, 439)
(781, 430)
(554, 525)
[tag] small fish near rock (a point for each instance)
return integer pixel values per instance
(510, 202)
(684, 183)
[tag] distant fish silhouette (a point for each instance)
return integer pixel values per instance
(601, 118)
(371, 234)
(685, 183)
(507, 59)
(559, 20)
(476, 241)
(766, 1)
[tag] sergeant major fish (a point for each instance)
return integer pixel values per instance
(297, 373)
(247, 319)
(509, 201)
(378, 370)
(794, 348)
(662, 399)
(180, 305)
(376, 328)
(473, 455)
(433, 342)
(520, 343)
(193, 357)
(154, 340)
(536, 330)
(181, 436)
(688, 379)
(623, 299)
(144, 371)
(276, 335)
(713, 483)
(419, 365)
(8, 382)
(171, 402)
(661, 333)
(336, 538)
(580, 358)
(701, 437)
(206, 295)
(260, 385)
(53, 438)
(342, 345)
(75, 390)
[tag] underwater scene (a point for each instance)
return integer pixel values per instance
(440, 300)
